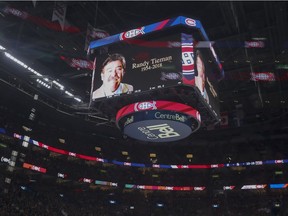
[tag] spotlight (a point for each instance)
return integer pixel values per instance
(160, 205)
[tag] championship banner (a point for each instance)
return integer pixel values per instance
(262, 76)
(40, 21)
(59, 13)
(94, 34)
(34, 2)
(281, 75)
(78, 63)
(254, 44)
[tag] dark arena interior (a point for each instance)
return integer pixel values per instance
(62, 153)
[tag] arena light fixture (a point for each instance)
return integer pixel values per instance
(3, 145)
(34, 72)
(112, 201)
(61, 140)
(277, 204)
(27, 129)
(98, 149)
(69, 93)
(77, 99)
(278, 172)
(21, 63)
(258, 38)
(8, 55)
(58, 84)
(160, 204)
(43, 83)
(25, 144)
(124, 153)
(2, 48)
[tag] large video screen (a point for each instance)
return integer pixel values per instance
(136, 66)
(174, 54)
(200, 69)
(206, 77)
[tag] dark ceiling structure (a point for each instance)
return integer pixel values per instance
(228, 24)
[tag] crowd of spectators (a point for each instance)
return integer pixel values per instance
(57, 200)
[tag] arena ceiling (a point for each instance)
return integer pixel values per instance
(31, 37)
(228, 23)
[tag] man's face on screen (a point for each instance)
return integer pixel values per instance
(200, 79)
(112, 75)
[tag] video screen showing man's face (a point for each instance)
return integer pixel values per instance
(112, 75)
(135, 67)
(201, 77)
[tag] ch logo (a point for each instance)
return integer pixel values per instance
(145, 106)
(132, 33)
(190, 22)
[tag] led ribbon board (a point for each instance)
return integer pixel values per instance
(133, 33)
(158, 121)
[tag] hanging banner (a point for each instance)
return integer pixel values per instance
(34, 3)
(78, 63)
(59, 13)
(94, 34)
(40, 21)
(262, 76)
(254, 44)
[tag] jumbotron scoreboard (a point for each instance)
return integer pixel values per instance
(172, 71)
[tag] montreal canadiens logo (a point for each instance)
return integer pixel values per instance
(132, 33)
(190, 22)
(145, 106)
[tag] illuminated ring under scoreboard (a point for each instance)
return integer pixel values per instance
(158, 121)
